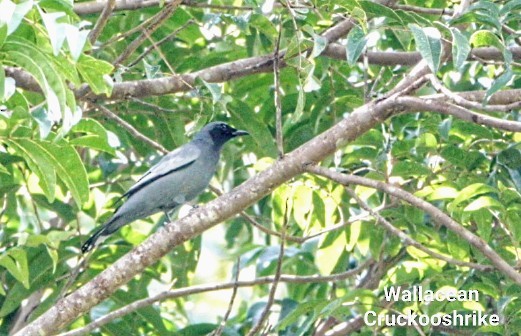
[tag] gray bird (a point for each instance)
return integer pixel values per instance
(178, 178)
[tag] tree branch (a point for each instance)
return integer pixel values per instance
(208, 215)
(102, 21)
(155, 23)
(414, 104)
(436, 214)
(276, 279)
(246, 67)
(409, 241)
(135, 133)
(181, 292)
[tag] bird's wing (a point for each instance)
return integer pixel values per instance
(178, 159)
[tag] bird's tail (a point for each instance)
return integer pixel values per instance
(91, 242)
(103, 232)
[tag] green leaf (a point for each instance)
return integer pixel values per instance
(302, 309)
(303, 206)
(263, 25)
(356, 41)
(333, 246)
(15, 261)
(70, 169)
(244, 118)
(373, 9)
(23, 53)
(2, 83)
(460, 48)
(76, 40)
(428, 43)
(13, 14)
(458, 247)
(509, 7)
(510, 157)
(485, 38)
(215, 89)
(409, 168)
(42, 118)
(94, 142)
(470, 192)
(483, 202)
(47, 159)
(299, 109)
(59, 6)
(319, 44)
(499, 83)
(513, 218)
(55, 29)
(486, 7)
(3, 33)
(463, 159)
(67, 69)
(483, 219)
(443, 192)
(38, 162)
(95, 73)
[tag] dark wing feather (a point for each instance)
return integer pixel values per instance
(175, 160)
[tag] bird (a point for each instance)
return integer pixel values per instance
(177, 178)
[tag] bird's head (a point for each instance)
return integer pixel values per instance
(219, 133)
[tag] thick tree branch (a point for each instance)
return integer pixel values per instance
(394, 58)
(208, 215)
(92, 7)
(246, 67)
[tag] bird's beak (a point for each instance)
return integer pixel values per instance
(240, 133)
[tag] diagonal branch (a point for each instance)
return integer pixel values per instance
(155, 23)
(408, 240)
(102, 21)
(206, 216)
(436, 214)
(135, 133)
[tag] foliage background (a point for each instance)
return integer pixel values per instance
(76, 131)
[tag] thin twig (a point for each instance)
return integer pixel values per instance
(413, 104)
(73, 274)
(271, 297)
(152, 106)
(278, 103)
(102, 21)
(160, 42)
(470, 104)
(155, 23)
(127, 33)
(131, 129)
(220, 329)
(181, 292)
